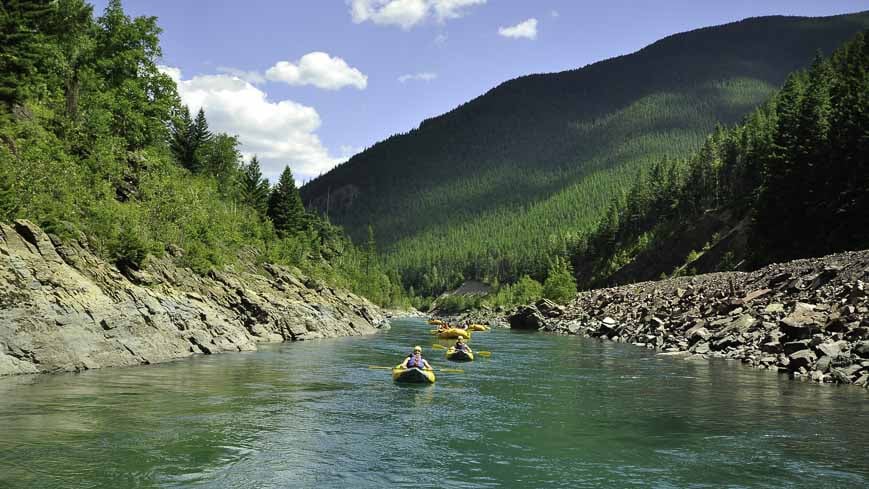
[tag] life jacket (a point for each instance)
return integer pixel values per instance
(462, 347)
(413, 363)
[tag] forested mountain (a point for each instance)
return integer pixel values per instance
(95, 146)
(498, 187)
(792, 181)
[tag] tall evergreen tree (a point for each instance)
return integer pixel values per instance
(200, 133)
(255, 188)
(180, 143)
(285, 205)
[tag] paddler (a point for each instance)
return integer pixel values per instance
(461, 346)
(415, 360)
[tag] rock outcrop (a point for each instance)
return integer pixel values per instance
(807, 318)
(64, 309)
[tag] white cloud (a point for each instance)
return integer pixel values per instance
(320, 70)
(452, 9)
(403, 13)
(281, 133)
(408, 13)
(254, 77)
(555, 14)
(523, 30)
(171, 72)
(424, 76)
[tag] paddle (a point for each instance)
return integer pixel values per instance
(438, 369)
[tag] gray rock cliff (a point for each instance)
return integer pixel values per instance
(64, 309)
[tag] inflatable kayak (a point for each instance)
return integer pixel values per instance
(459, 356)
(413, 375)
(453, 333)
(478, 327)
(435, 321)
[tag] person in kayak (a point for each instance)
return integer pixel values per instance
(415, 360)
(461, 346)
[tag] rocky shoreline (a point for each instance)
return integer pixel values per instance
(808, 318)
(64, 309)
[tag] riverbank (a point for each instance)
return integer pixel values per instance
(64, 309)
(808, 318)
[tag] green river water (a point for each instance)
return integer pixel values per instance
(544, 411)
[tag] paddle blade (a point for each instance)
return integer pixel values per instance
(483, 353)
(438, 347)
(379, 367)
(451, 370)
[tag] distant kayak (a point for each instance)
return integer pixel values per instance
(454, 333)
(478, 327)
(414, 375)
(459, 355)
(435, 321)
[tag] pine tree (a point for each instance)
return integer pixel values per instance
(285, 205)
(201, 140)
(200, 133)
(180, 142)
(255, 188)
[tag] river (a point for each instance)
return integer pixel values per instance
(543, 411)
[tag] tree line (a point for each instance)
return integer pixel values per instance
(796, 169)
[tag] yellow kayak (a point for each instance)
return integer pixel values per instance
(435, 321)
(454, 333)
(478, 327)
(415, 375)
(459, 356)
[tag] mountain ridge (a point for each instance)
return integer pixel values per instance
(527, 140)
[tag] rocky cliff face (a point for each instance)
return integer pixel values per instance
(806, 318)
(64, 309)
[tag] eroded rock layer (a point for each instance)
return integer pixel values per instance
(64, 309)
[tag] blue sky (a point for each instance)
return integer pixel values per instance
(309, 83)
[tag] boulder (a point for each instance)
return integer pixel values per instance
(803, 322)
(862, 349)
(801, 359)
(699, 334)
(726, 342)
(528, 318)
(840, 376)
(549, 309)
(832, 349)
(795, 346)
(824, 363)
